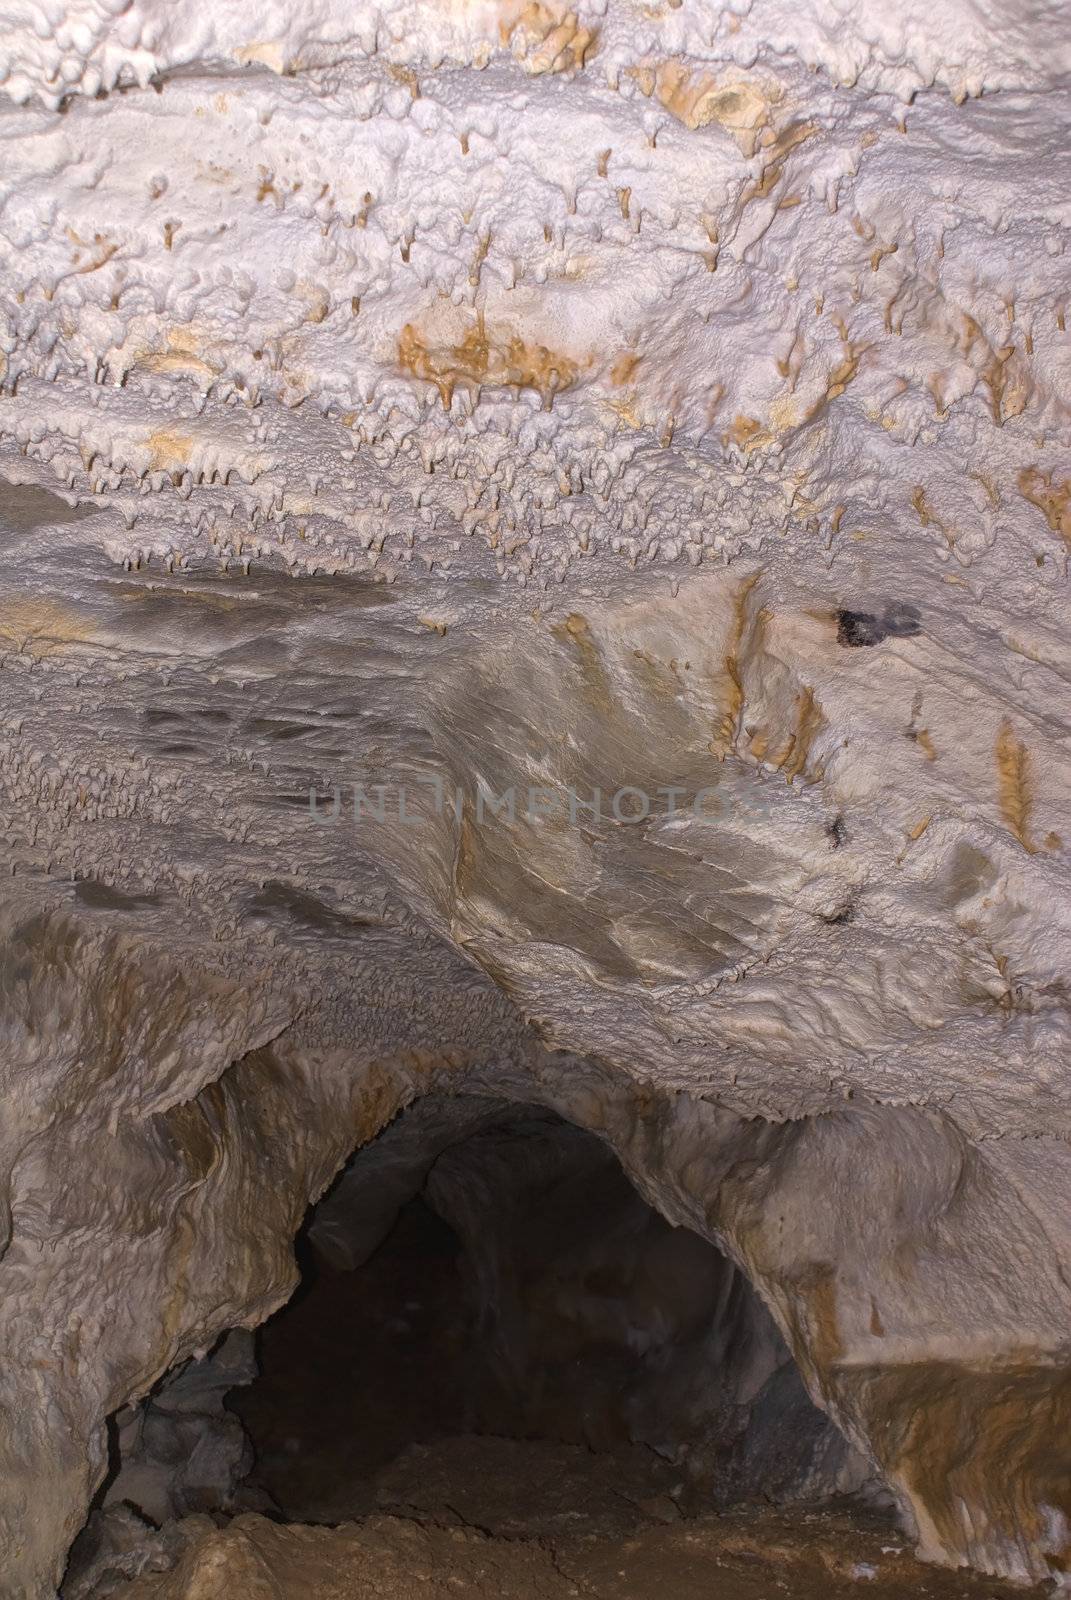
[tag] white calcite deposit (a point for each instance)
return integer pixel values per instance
(652, 397)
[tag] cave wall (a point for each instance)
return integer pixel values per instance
(151, 1209)
(671, 400)
(593, 1321)
(858, 1229)
(919, 1279)
(922, 1285)
(599, 1324)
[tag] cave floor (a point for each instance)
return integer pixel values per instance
(754, 1554)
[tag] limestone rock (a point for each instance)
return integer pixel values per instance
(615, 459)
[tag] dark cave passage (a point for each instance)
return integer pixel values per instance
(494, 1325)
(361, 1364)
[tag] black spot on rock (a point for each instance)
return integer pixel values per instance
(102, 897)
(305, 911)
(864, 628)
(23, 507)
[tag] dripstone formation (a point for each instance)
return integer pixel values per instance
(533, 570)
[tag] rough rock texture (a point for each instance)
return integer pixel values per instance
(666, 398)
(183, 1450)
(747, 1557)
(379, 1560)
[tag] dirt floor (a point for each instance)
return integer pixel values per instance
(754, 1555)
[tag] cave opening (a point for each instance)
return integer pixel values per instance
(494, 1326)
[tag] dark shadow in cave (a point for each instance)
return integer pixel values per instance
(359, 1365)
(495, 1327)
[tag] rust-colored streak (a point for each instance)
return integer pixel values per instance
(725, 736)
(810, 720)
(697, 99)
(576, 632)
(1014, 784)
(499, 359)
(169, 450)
(545, 39)
(1053, 500)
